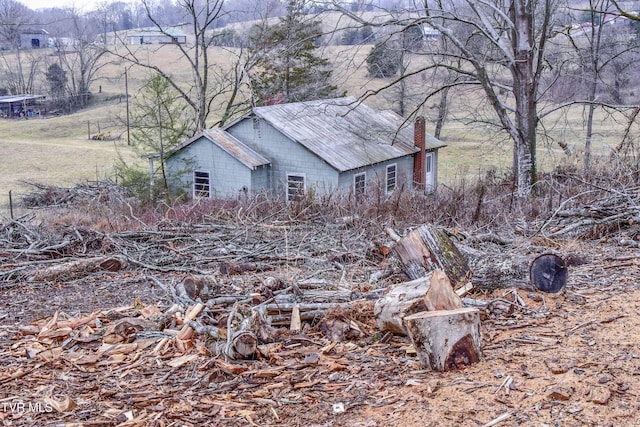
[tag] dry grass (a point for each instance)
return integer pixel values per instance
(57, 151)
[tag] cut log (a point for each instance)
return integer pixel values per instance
(446, 340)
(78, 268)
(548, 273)
(193, 287)
(243, 345)
(401, 300)
(426, 249)
(500, 271)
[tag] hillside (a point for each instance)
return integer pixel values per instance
(57, 151)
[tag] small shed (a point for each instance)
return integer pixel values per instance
(34, 39)
(156, 36)
(315, 146)
(20, 105)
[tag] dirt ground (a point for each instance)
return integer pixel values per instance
(567, 359)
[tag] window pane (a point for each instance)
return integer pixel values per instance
(295, 187)
(201, 184)
(391, 178)
(359, 184)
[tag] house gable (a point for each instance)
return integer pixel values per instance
(233, 167)
(287, 156)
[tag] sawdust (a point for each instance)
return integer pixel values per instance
(548, 359)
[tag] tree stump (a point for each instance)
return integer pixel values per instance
(447, 339)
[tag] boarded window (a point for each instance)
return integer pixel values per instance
(295, 187)
(201, 184)
(392, 178)
(359, 183)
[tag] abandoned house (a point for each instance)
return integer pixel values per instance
(315, 146)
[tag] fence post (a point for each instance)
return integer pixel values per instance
(10, 204)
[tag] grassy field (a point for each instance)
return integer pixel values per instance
(58, 151)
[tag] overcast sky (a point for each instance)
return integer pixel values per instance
(42, 4)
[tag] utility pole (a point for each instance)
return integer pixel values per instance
(126, 95)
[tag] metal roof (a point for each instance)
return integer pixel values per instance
(156, 32)
(344, 132)
(10, 99)
(231, 145)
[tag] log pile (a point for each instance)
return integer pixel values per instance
(208, 254)
(615, 209)
(242, 315)
(239, 322)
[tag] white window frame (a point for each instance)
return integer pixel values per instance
(356, 191)
(198, 193)
(291, 197)
(387, 180)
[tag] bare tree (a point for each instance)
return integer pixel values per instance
(80, 55)
(212, 84)
(605, 54)
(501, 48)
(15, 18)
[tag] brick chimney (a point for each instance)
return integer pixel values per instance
(418, 159)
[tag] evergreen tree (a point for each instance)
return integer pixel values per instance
(57, 79)
(289, 69)
(384, 59)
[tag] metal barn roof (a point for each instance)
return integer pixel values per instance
(156, 32)
(343, 132)
(231, 145)
(11, 99)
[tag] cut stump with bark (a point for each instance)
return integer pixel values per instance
(399, 301)
(446, 340)
(428, 248)
(428, 293)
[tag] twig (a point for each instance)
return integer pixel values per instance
(498, 420)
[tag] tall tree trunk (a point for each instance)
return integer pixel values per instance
(442, 112)
(522, 71)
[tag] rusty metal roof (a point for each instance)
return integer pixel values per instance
(231, 145)
(343, 132)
